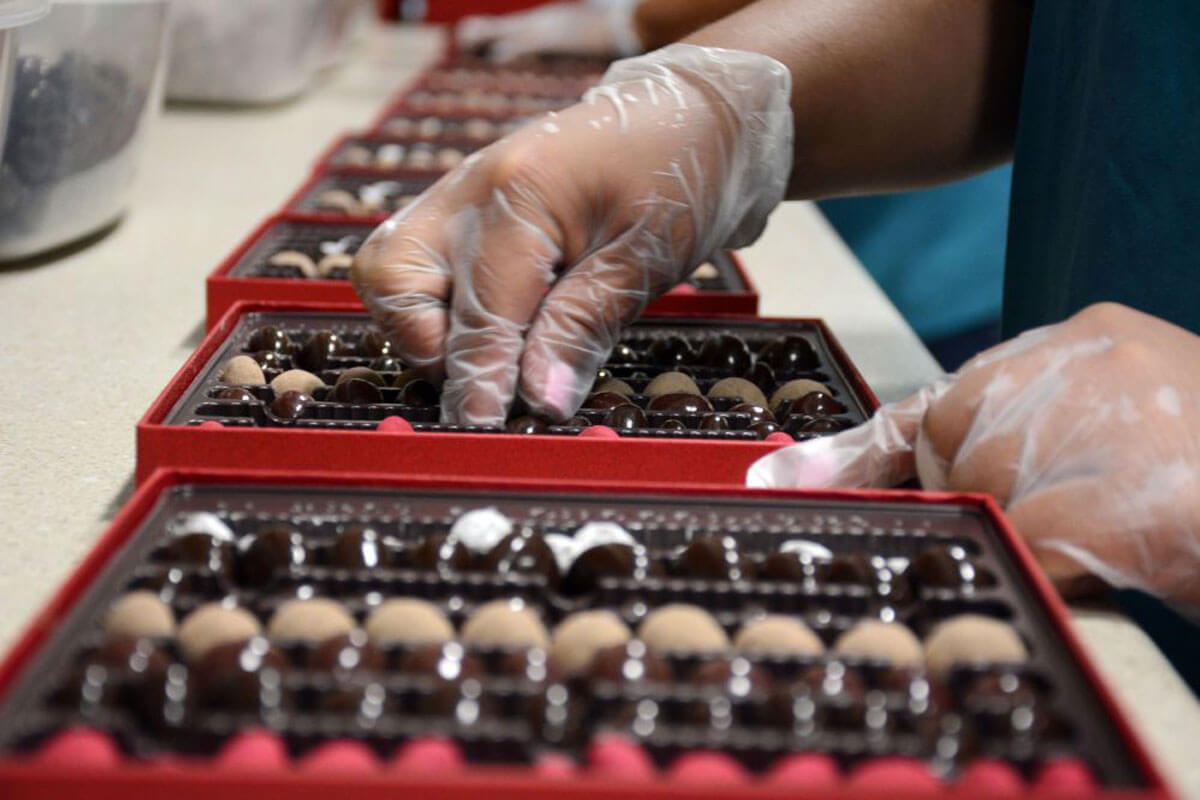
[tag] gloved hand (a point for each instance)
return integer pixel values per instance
(597, 28)
(606, 205)
(1088, 432)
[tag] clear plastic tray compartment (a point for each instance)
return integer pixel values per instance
(86, 81)
(246, 51)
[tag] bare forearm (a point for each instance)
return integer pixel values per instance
(660, 22)
(889, 94)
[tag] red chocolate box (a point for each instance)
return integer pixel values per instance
(393, 426)
(77, 722)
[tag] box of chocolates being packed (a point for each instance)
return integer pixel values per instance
(258, 635)
(680, 399)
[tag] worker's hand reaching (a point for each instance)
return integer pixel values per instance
(1088, 432)
(517, 271)
(590, 28)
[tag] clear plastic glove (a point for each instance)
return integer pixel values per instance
(594, 28)
(518, 270)
(1088, 432)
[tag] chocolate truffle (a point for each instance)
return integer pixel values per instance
(272, 550)
(408, 621)
(764, 429)
(269, 338)
(504, 623)
(778, 635)
(682, 628)
(761, 376)
(626, 418)
(577, 638)
(481, 529)
(850, 568)
(680, 403)
(533, 665)
(715, 422)
(418, 392)
(242, 371)
(816, 404)
(740, 388)
(289, 406)
(791, 354)
(140, 613)
(360, 374)
(794, 390)
(213, 624)
(736, 675)
(726, 353)
(523, 551)
(669, 351)
(756, 412)
(296, 380)
(320, 348)
(447, 661)
(374, 344)
(712, 558)
(884, 641)
(673, 425)
(631, 662)
(235, 394)
(269, 359)
(613, 386)
(972, 638)
(360, 547)
(671, 383)
(312, 621)
(347, 652)
(356, 392)
(623, 354)
(242, 675)
(602, 401)
(526, 426)
(440, 552)
(947, 567)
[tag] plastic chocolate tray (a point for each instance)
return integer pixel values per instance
(190, 426)
(477, 131)
(494, 693)
(395, 153)
(478, 102)
(721, 286)
(489, 79)
(362, 194)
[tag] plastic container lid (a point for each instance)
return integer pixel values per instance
(14, 13)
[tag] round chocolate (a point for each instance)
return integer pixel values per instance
(606, 400)
(236, 394)
(764, 429)
(504, 623)
(580, 636)
(971, 639)
(737, 676)
(762, 376)
(791, 391)
(360, 547)
(532, 664)
(166, 700)
(833, 679)
(386, 364)
(683, 628)
(526, 426)
(713, 558)
(632, 662)
(202, 550)
(418, 392)
(140, 613)
(673, 425)
(437, 552)
(778, 634)
(362, 374)
(578, 422)
(680, 403)
(243, 676)
(626, 418)
(130, 659)
(347, 652)
(272, 550)
(367, 700)
(408, 621)
(355, 392)
(606, 560)
(800, 425)
(271, 359)
(448, 661)
(852, 568)
(715, 422)
(791, 567)
(309, 621)
(289, 406)
(269, 337)
(725, 352)
(317, 352)
(557, 716)
(818, 404)
(374, 344)
(756, 412)
(242, 371)
(891, 642)
(1006, 689)
(788, 355)
(669, 351)
(623, 354)
(212, 625)
(524, 551)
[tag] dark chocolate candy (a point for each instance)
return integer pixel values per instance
(419, 392)
(715, 422)
(625, 418)
(289, 406)
(202, 550)
(789, 355)
(578, 422)
(818, 404)
(631, 662)
(764, 429)
(374, 344)
(356, 392)
(530, 665)
(243, 676)
(789, 567)
(524, 551)
(680, 403)
(762, 376)
(347, 652)
(725, 352)
(271, 359)
(713, 558)
(386, 364)
(272, 550)
(851, 568)
(736, 676)
(526, 426)
(360, 547)
(800, 425)
(236, 394)
(447, 661)
(606, 400)
(673, 425)
(362, 374)
(270, 338)
(367, 700)
(166, 700)
(623, 354)
(317, 352)
(607, 560)
(756, 412)
(670, 351)
(436, 553)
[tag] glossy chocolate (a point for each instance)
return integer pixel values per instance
(789, 355)
(270, 338)
(523, 551)
(623, 354)
(236, 394)
(764, 429)
(360, 547)
(715, 422)
(726, 353)
(527, 426)
(713, 558)
(363, 374)
(756, 412)
(272, 550)
(578, 422)
(447, 661)
(202, 550)
(680, 403)
(356, 392)
(319, 350)
(608, 560)
(289, 406)
(532, 665)
(762, 376)
(816, 404)
(673, 425)
(670, 351)
(632, 662)
(386, 364)
(849, 568)
(626, 418)
(436, 553)
(271, 359)
(347, 652)
(243, 676)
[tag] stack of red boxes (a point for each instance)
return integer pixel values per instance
(349, 492)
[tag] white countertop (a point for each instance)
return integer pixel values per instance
(92, 337)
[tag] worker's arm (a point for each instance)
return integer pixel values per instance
(660, 22)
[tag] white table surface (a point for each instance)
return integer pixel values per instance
(91, 338)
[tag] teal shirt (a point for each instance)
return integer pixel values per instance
(1106, 182)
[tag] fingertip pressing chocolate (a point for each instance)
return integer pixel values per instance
(242, 371)
(296, 380)
(794, 390)
(348, 652)
(214, 624)
(972, 638)
(631, 662)
(669, 351)
(892, 642)
(626, 418)
(613, 386)
(140, 613)
(739, 388)
(408, 621)
(268, 552)
(311, 621)
(504, 623)
(671, 383)
(269, 338)
(682, 628)
(236, 394)
(725, 352)
(577, 638)
(778, 635)
(680, 403)
(816, 403)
